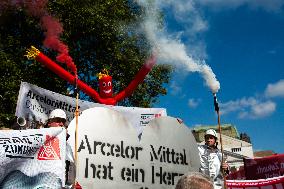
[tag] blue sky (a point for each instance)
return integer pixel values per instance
(243, 43)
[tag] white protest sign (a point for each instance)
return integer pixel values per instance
(171, 151)
(111, 156)
(31, 155)
(35, 104)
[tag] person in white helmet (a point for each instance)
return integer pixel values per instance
(211, 158)
(57, 118)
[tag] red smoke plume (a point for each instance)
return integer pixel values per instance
(51, 26)
(53, 30)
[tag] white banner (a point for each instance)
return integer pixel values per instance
(111, 156)
(34, 157)
(35, 104)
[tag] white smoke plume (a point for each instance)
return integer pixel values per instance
(170, 48)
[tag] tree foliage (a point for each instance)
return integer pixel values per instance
(100, 34)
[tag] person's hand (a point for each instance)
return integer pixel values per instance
(225, 166)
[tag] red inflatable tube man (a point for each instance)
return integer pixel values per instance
(105, 95)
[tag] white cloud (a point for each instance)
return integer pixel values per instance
(249, 108)
(193, 103)
(267, 5)
(263, 109)
(275, 90)
(185, 12)
(175, 88)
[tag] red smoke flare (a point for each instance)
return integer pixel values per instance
(51, 26)
(52, 41)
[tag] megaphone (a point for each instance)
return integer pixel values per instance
(21, 121)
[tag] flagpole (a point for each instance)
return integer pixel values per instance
(76, 128)
(216, 106)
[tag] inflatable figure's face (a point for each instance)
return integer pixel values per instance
(105, 86)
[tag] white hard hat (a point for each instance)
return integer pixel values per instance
(211, 132)
(57, 113)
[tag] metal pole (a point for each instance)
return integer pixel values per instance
(216, 105)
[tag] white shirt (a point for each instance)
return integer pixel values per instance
(210, 164)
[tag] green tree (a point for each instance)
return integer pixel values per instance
(100, 34)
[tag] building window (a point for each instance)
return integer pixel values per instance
(236, 149)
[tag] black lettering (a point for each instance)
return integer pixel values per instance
(48, 102)
(122, 150)
(154, 153)
(102, 149)
(33, 97)
(94, 170)
(160, 175)
(4, 140)
(177, 158)
(168, 155)
(132, 174)
(16, 140)
(173, 177)
(52, 103)
(173, 156)
(20, 149)
(167, 178)
(87, 168)
(137, 150)
(7, 148)
(99, 171)
(153, 175)
(95, 146)
(30, 94)
(127, 152)
(108, 145)
(117, 149)
(184, 158)
(83, 147)
(111, 149)
(110, 167)
(69, 109)
(58, 104)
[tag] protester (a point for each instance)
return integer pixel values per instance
(57, 118)
(211, 158)
(195, 180)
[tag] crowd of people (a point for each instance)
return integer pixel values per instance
(211, 171)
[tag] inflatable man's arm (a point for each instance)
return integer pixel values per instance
(140, 76)
(34, 53)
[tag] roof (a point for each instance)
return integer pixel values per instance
(236, 155)
(227, 129)
(264, 153)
